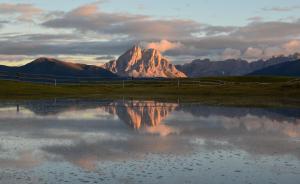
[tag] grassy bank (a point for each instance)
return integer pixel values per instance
(236, 91)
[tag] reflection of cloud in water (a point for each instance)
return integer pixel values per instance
(254, 134)
(25, 159)
(87, 132)
(86, 154)
(71, 114)
(162, 130)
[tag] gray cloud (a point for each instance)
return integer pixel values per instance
(46, 38)
(256, 19)
(2, 23)
(215, 30)
(194, 48)
(23, 12)
(89, 18)
(282, 9)
(231, 54)
(37, 48)
(140, 27)
(108, 57)
(268, 30)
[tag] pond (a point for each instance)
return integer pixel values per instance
(136, 141)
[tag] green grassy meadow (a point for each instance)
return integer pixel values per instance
(235, 91)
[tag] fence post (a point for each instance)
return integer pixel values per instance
(123, 84)
(178, 83)
(55, 82)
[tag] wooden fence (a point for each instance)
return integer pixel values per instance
(121, 81)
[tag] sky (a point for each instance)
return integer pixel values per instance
(96, 31)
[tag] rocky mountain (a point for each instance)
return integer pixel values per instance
(232, 67)
(49, 66)
(290, 68)
(140, 63)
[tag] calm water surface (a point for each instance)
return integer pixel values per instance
(123, 141)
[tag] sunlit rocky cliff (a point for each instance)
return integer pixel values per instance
(138, 62)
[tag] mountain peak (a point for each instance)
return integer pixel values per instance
(134, 49)
(137, 47)
(153, 51)
(44, 59)
(138, 62)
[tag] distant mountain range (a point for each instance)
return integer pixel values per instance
(149, 63)
(49, 66)
(138, 62)
(290, 68)
(232, 67)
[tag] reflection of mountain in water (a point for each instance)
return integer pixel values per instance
(141, 113)
(136, 114)
(52, 107)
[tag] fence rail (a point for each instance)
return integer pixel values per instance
(121, 81)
